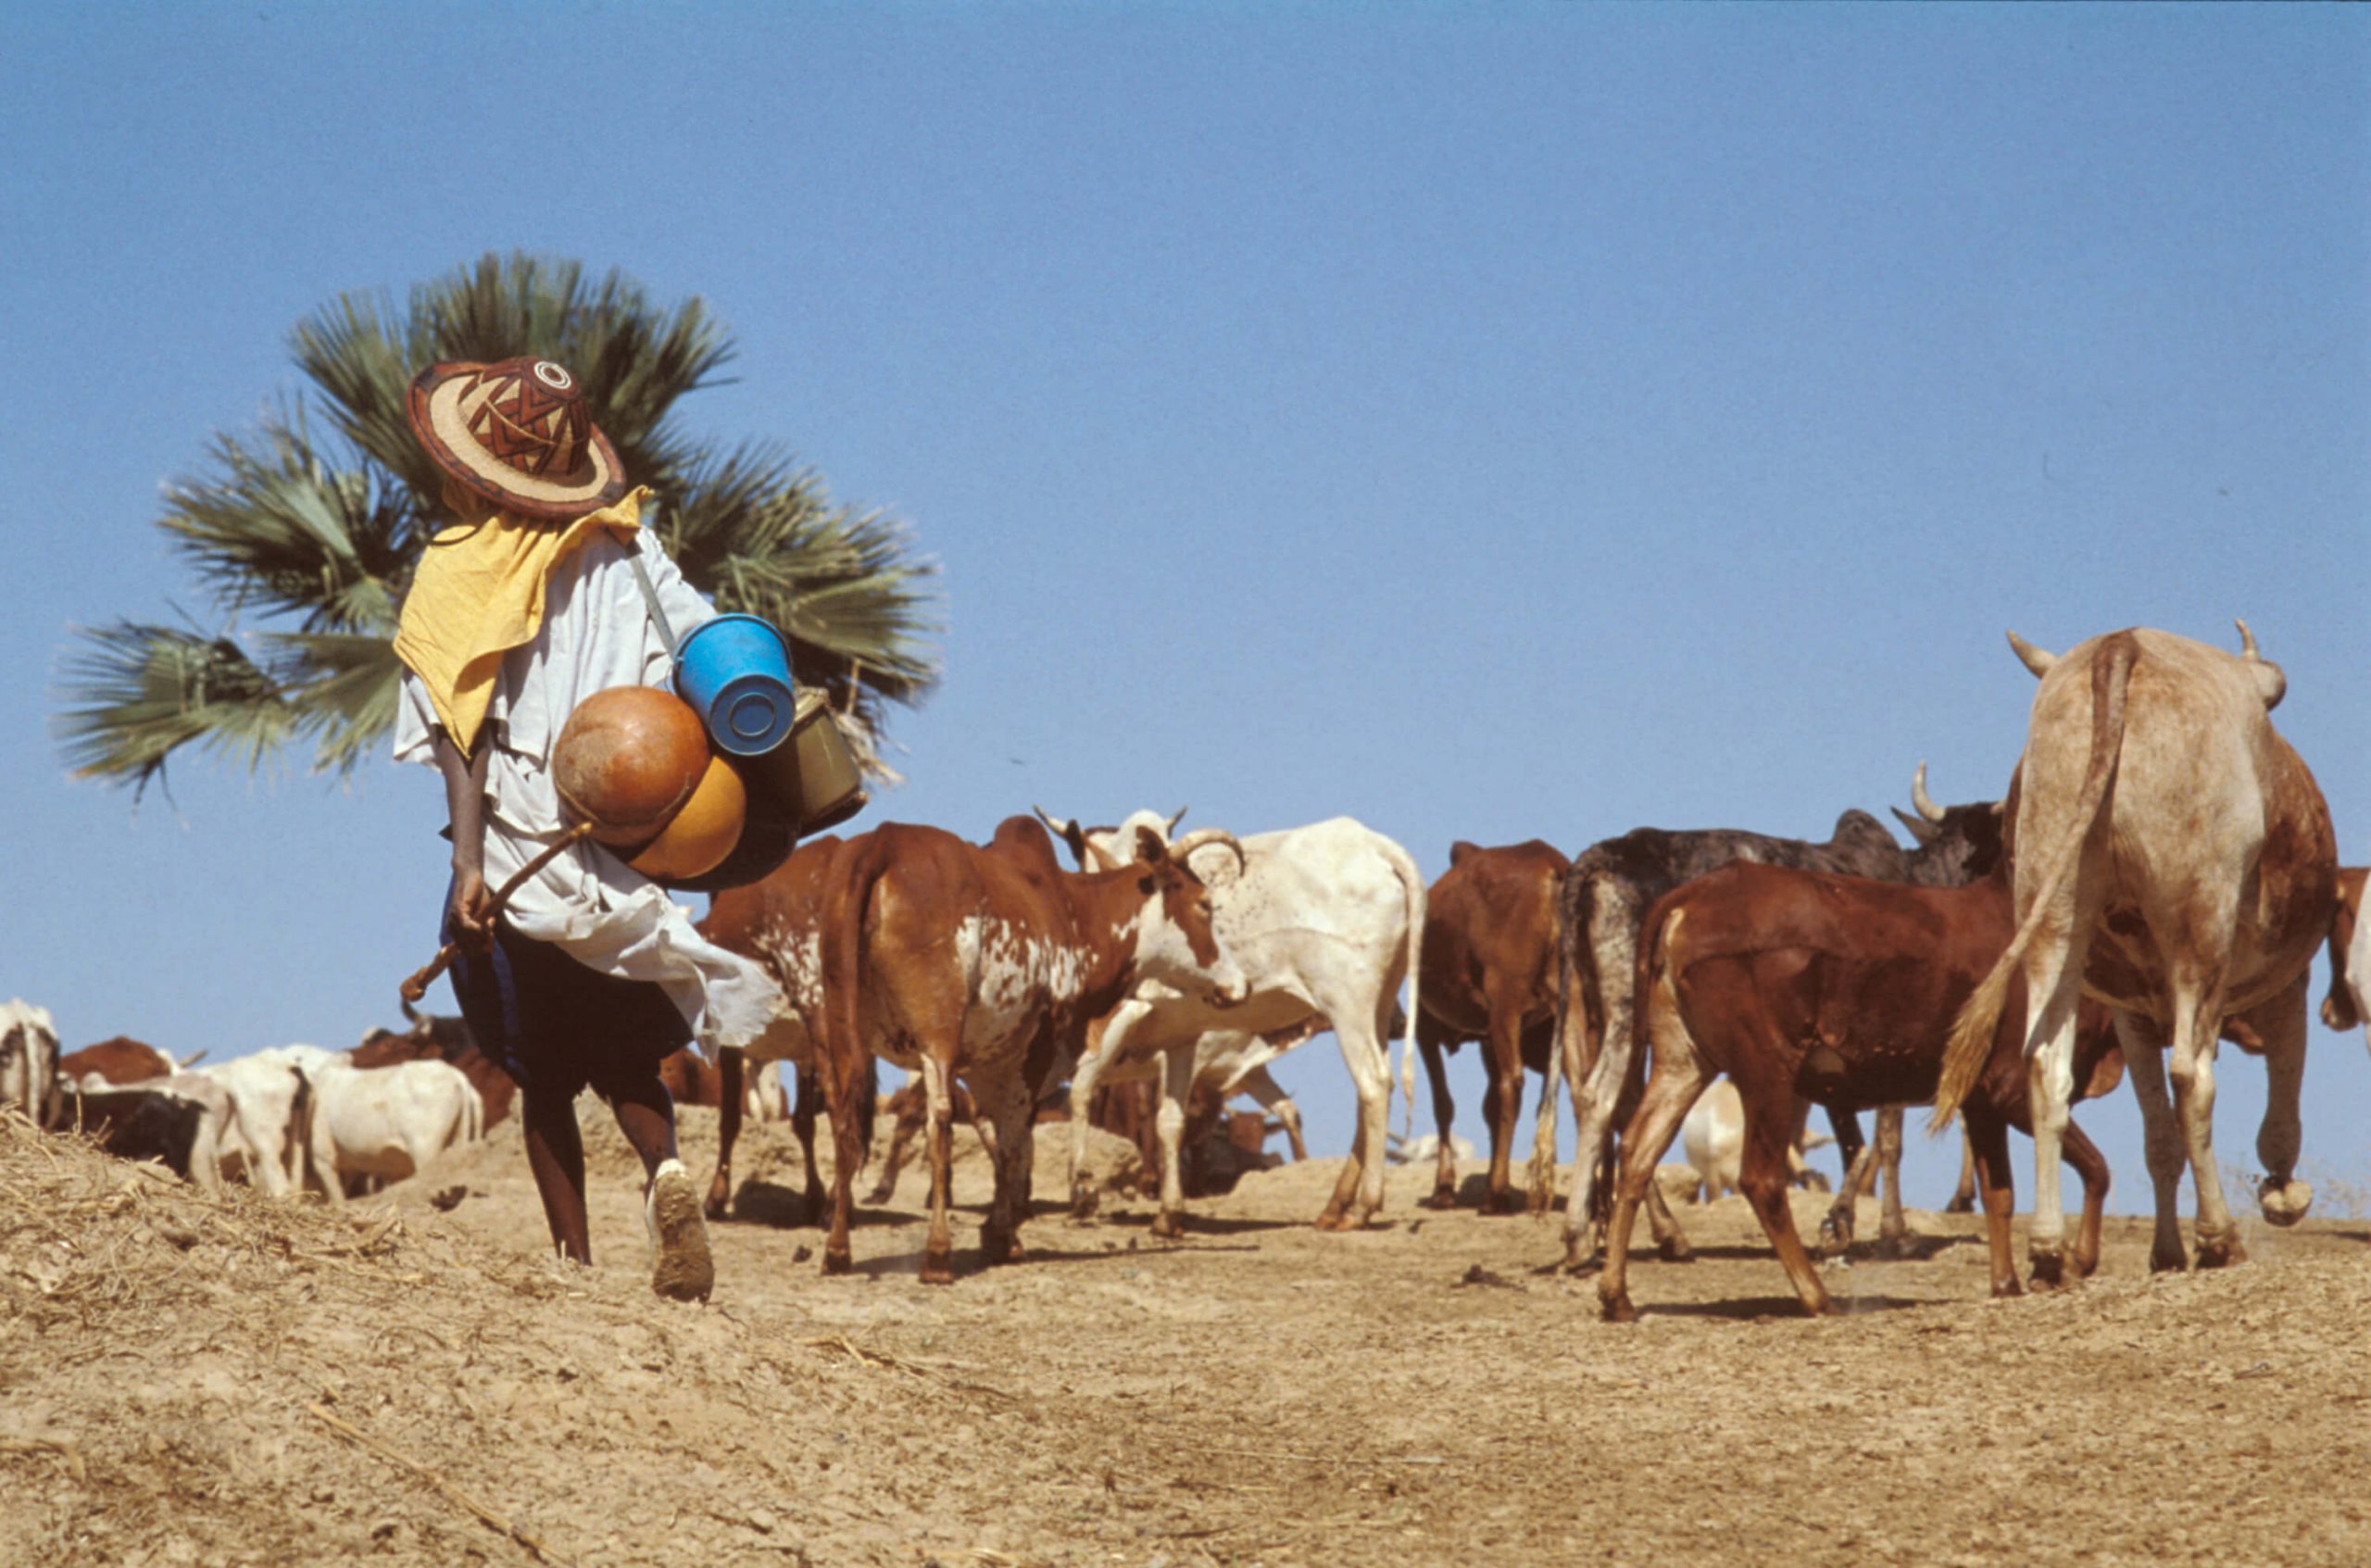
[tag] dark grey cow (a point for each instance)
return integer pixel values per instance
(1604, 894)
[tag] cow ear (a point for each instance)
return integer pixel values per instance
(1151, 848)
(1461, 850)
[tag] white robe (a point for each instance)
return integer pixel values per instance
(596, 633)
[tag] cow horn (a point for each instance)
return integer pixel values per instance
(2272, 684)
(1168, 828)
(2034, 659)
(1920, 828)
(1200, 836)
(194, 1057)
(1920, 799)
(1060, 828)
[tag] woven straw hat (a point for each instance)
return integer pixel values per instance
(516, 432)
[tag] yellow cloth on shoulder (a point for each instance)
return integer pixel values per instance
(479, 593)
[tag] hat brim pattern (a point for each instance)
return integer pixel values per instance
(443, 401)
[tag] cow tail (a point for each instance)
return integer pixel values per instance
(1412, 888)
(846, 1066)
(1979, 1017)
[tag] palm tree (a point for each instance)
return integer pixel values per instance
(317, 536)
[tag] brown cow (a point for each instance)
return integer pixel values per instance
(2175, 860)
(120, 1060)
(778, 921)
(987, 964)
(1840, 990)
(1490, 975)
(2349, 1004)
(441, 1037)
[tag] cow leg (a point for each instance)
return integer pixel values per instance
(1670, 1093)
(1271, 1097)
(1596, 1086)
(1358, 1196)
(1444, 1192)
(1009, 1108)
(205, 1154)
(1987, 1140)
(1836, 1227)
(2198, 1018)
(938, 1250)
(1893, 1227)
(2144, 1064)
(1502, 1055)
(848, 1104)
(728, 1131)
(1763, 1176)
(1176, 1083)
(2053, 973)
(1964, 1196)
(1540, 1181)
(1105, 1039)
(901, 1139)
(2093, 1166)
(2281, 1024)
(802, 1127)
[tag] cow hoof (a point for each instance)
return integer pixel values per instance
(1835, 1236)
(839, 1262)
(1331, 1220)
(937, 1269)
(1168, 1227)
(2165, 1260)
(2006, 1287)
(1442, 1200)
(1011, 1252)
(2284, 1203)
(2221, 1253)
(1893, 1248)
(1542, 1200)
(2048, 1269)
(1616, 1308)
(1084, 1203)
(1675, 1249)
(1506, 1200)
(1958, 1205)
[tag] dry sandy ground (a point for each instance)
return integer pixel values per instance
(184, 1381)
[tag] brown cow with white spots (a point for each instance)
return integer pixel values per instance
(987, 964)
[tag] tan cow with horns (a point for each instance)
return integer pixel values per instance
(2175, 860)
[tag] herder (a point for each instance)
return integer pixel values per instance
(524, 607)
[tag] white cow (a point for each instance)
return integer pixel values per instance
(269, 1122)
(28, 1060)
(1325, 921)
(384, 1121)
(1714, 1135)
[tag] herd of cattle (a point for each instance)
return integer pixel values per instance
(2157, 877)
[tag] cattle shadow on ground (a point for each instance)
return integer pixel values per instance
(1912, 1249)
(972, 1262)
(776, 1207)
(1202, 1225)
(1755, 1309)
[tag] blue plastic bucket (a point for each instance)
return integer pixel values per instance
(735, 674)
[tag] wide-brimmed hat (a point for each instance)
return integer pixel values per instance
(517, 434)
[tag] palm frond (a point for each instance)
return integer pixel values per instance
(344, 687)
(762, 536)
(140, 692)
(274, 528)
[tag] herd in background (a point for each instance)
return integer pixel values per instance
(2157, 878)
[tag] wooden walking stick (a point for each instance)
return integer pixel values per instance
(415, 985)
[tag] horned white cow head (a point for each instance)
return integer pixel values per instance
(1104, 849)
(28, 1060)
(1175, 944)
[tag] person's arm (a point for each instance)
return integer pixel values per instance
(465, 806)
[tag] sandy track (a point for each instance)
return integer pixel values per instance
(1260, 1393)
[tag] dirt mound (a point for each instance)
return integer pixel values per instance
(189, 1380)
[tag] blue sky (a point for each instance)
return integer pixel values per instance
(1487, 423)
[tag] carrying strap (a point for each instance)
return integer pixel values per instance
(650, 597)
